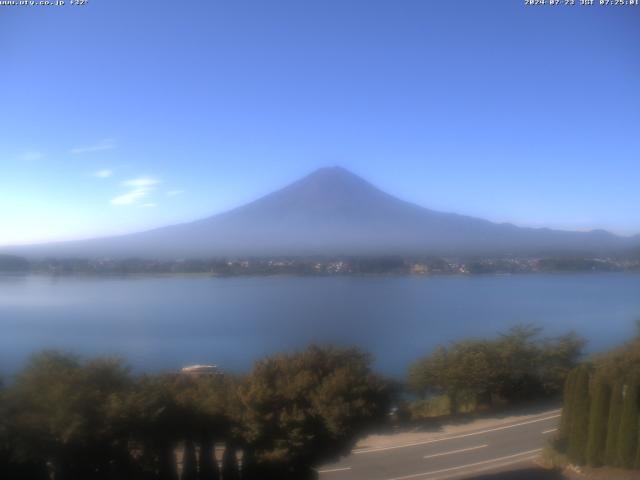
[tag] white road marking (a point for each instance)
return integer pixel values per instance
(492, 467)
(551, 430)
(426, 442)
(331, 470)
(460, 467)
(456, 451)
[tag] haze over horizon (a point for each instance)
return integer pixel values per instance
(496, 111)
(335, 212)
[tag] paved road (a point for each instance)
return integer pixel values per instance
(465, 455)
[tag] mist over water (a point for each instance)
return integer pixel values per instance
(165, 323)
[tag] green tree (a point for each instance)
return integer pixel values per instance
(618, 363)
(462, 372)
(429, 374)
(579, 428)
(249, 468)
(305, 408)
(519, 362)
(61, 413)
(613, 423)
(189, 461)
(519, 365)
(6, 446)
(598, 418)
(230, 463)
(165, 412)
(210, 407)
(18, 457)
(628, 431)
(558, 356)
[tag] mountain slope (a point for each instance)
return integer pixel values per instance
(332, 211)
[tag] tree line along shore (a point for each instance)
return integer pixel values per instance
(67, 418)
(349, 265)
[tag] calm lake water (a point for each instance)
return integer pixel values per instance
(165, 323)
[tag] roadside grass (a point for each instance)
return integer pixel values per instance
(437, 406)
(440, 406)
(433, 413)
(551, 458)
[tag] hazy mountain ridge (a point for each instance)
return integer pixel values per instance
(333, 212)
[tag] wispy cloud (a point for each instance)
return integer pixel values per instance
(130, 197)
(174, 193)
(105, 173)
(107, 144)
(140, 187)
(141, 182)
(31, 156)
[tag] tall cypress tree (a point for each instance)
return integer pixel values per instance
(579, 428)
(598, 417)
(637, 463)
(567, 409)
(628, 432)
(613, 424)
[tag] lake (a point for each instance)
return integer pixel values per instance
(160, 323)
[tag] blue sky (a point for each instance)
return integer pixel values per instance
(120, 116)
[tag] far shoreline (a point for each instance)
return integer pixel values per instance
(204, 275)
(321, 266)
